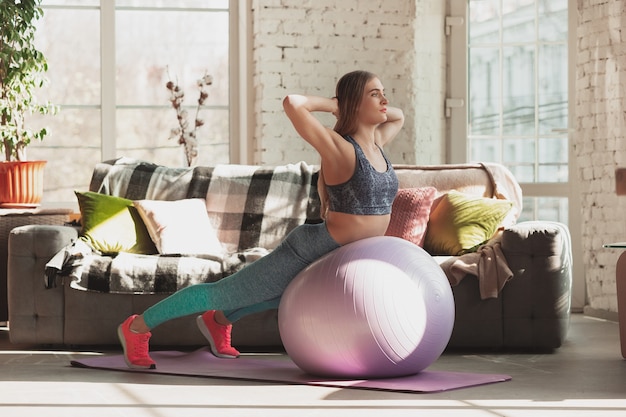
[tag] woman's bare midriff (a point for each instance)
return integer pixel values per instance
(346, 228)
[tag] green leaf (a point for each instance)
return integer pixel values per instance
(22, 70)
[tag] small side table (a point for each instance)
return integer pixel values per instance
(620, 282)
(12, 218)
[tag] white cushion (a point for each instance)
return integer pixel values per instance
(180, 227)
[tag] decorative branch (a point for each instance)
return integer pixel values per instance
(184, 133)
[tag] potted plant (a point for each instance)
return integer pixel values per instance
(22, 70)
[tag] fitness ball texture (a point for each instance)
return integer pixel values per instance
(377, 308)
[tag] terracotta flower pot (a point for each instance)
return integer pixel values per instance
(21, 183)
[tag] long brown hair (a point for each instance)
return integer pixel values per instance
(349, 93)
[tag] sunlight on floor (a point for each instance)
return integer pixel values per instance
(272, 400)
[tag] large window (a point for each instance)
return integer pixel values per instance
(515, 92)
(510, 73)
(518, 93)
(109, 62)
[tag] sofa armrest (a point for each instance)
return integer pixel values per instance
(35, 312)
(537, 300)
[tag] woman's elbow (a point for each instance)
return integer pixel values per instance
(293, 101)
(287, 102)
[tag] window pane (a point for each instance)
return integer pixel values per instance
(72, 149)
(545, 208)
(486, 149)
(523, 173)
(518, 151)
(552, 88)
(553, 20)
(552, 150)
(196, 4)
(552, 173)
(518, 96)
(484, 24)
(484, 105)
(145, 134)
(518, 18)
(153, 46)
(552, 158)
(74, 77)
(79, 3)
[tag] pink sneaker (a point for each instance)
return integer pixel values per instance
(135, 346)
(217, 334)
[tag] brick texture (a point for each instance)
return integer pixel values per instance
(599, 144)
(305, 46)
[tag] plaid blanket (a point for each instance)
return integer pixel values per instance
(251, 207)
(128, 273)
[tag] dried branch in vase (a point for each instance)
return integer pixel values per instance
(184, 132)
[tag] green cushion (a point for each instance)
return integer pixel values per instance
(460, 223)
(111, 224)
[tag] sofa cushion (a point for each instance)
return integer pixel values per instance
(111, 224)
(410, 212)
(180, 227)
(459, 223)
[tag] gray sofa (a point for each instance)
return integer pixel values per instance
(530, 312)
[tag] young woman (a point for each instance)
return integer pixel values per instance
(357, 187)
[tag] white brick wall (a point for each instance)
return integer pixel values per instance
(600, 142)
(305, 46)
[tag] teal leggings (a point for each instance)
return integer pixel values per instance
(254, 288)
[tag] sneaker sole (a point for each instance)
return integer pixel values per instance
(120, 336)
(207, 335)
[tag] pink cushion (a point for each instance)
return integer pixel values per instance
(410, 213)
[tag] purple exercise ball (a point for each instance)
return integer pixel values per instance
(376, 308)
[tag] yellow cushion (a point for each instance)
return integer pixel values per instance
(460, 223)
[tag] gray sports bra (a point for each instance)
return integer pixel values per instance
(368, 191)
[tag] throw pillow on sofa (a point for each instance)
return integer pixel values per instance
(459, 223)
(111, 224)
(180, 227)
(410, 213)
